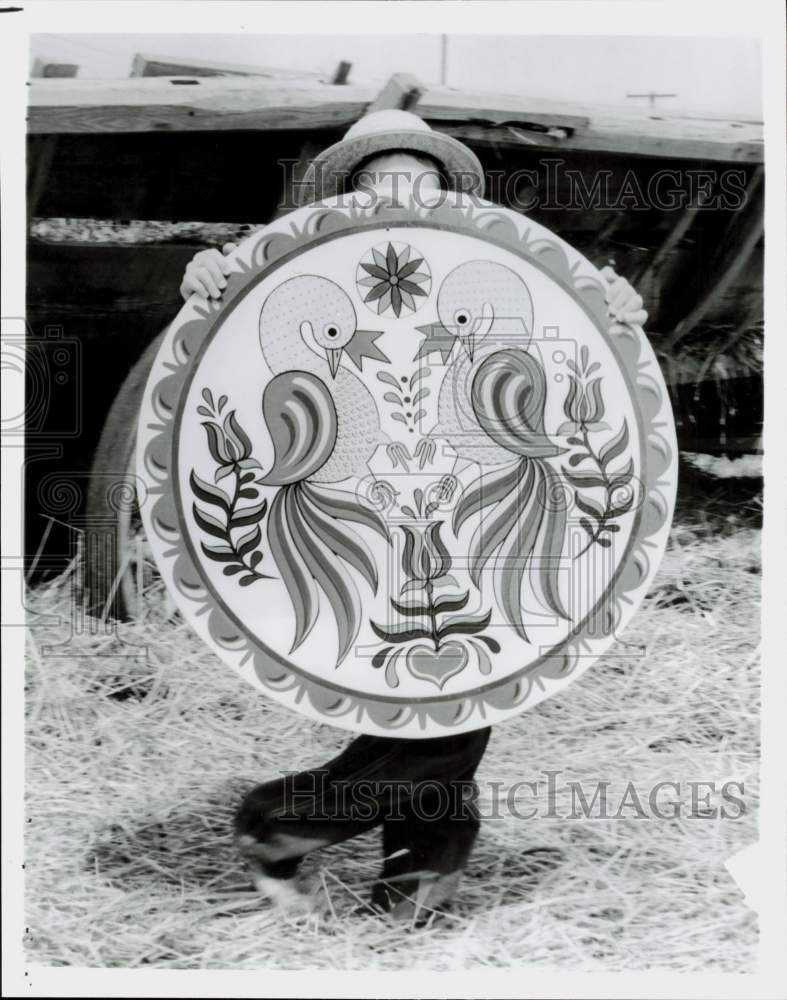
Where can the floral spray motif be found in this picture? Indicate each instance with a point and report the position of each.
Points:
(426, 563)
(585, 411)
(230, 448)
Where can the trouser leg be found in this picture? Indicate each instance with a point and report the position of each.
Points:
(427, 845)
(280, 822)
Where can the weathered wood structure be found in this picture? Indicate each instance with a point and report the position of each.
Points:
(128, 178)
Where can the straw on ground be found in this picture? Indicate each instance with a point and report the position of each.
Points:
(141, 743)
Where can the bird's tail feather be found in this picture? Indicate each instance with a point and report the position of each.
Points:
(524, 520)
(294, 571)
(554, 520)
(330, 574)
(310, 546)
(487, 490)
(341, 540)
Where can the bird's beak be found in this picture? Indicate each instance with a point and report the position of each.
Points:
(433, 330)
(333, 356)
(437, 339)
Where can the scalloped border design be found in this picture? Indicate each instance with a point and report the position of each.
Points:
(491, 702)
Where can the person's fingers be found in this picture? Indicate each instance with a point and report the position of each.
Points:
(204, 275)
(613, 282)
(215, 265)
(621, 296)
(637, 318)
(609, 272)
(191, 285)
(613, 291)
(631, 305)
(229, 247)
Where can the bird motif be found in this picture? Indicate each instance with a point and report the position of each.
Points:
(491, 409)
(324, 426)
(308, 324)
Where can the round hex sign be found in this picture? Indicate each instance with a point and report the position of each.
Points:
(407, 477)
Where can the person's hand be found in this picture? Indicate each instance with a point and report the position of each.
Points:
(623, 303)
(206, 273)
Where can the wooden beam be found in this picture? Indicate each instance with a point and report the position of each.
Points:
(217, 104)
(448, 107)
(402, 91)
(98, 233)
(341, 73)
(145, 64)
(212, 104)
(53, 70)
(714, 143)
(522, 121)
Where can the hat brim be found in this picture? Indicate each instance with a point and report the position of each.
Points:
(331, 169)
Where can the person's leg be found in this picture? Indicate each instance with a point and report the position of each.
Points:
(427, 844)
(281, 821)
(278, 823)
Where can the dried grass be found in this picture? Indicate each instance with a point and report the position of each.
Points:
(135, 763)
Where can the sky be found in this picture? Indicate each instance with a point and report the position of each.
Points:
(715, 76)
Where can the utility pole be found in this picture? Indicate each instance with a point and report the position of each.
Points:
(443, 59)
(652, 96)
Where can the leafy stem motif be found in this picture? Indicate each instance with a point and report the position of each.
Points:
(230, 448)
(431, 609)
(585, 410)
(426, 563)
(406, 395)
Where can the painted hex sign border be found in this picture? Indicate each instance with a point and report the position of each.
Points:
(207, 522)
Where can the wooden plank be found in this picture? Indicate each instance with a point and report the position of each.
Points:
(403, 91)
(53, 70)
(145, 64)
(341, 73)
(525, 121)
(444, 105)
(212, 104)
(714, 143)
(99, 233)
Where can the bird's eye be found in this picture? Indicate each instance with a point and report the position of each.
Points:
(331, 331)
(461, 318)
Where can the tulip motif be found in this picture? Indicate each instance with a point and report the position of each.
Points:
(584, 404)
(232, 525)
(590, 468)
(426, 564)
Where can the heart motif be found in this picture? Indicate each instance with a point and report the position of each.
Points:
(436, 665)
